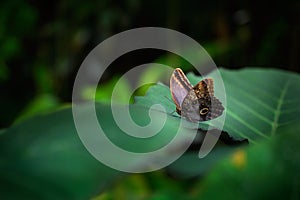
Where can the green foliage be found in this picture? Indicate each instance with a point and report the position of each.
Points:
(268, 170)
(104, 92)
(41, 104)
(42, 157)
(258, 101)
(43, 44)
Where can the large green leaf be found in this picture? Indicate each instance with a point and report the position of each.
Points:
(259, 101)
(43, 157)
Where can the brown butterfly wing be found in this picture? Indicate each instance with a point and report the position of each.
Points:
(179, 86)
(204, 88)
(202, 97)
(216, 109)
(190, 107)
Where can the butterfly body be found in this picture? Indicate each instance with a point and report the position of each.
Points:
(196, 103)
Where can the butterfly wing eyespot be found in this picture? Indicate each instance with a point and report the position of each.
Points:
(203, 111)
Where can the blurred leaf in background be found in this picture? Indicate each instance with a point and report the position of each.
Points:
(269, 170)
(104, 92)
(43, 158)
(43, 44)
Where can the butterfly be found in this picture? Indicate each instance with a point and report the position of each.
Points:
(196, 103)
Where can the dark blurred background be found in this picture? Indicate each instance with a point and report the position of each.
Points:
(43, 44)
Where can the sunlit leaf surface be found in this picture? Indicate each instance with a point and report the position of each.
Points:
(258, 101)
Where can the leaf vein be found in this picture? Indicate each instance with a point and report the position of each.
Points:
(256, 100)
(257, 114)
(278, 108)
(255, 130)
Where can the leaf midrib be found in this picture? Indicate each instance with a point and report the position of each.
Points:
(278, 108)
